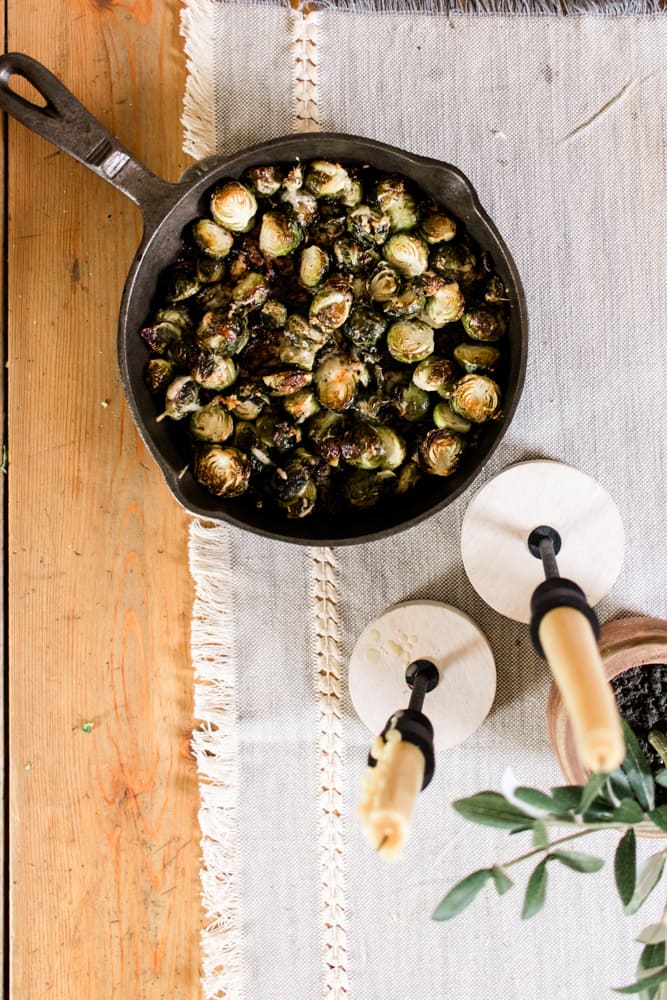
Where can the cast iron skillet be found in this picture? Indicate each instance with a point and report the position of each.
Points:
(168, 208)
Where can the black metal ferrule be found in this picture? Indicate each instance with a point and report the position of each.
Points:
(414, 728)
(557, 592)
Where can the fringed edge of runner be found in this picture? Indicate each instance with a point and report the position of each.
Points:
(198, 118)
(215, 748)
(519, 8)
(328, 679)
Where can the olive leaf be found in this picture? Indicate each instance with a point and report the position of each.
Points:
(648, 878)
(566, 797)
(462, 894)
(501, 879)
(536, 890)
(660, 777)
(653, 934)
(628, 811)
(579, 861)
(492, 809)
(619, 784)
(637, 769)
(625, 866)
(654, 979)
(593, 788)
(659, 817)
(540, 834)
(535, 799)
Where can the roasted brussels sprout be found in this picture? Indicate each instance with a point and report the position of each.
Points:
(223, 471)
(485, 323)
(439, 452)
(407, 253)
(214, 371)
(212, 422)
(278, 235)
(234, 206)
(435, 374)
(477, 357)
(211, 238)
(410, 340)
(314, 266)
(438, 228)
(444, 306)
(444, 416)
(337, 379)
(396, 201)
(475, 397)
(327, 180)
(181, 398)
(330, 307)
(304, 332)
(365, 327)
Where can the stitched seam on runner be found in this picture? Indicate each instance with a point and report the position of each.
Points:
(305, 34)
(215, 746)
(328, 678)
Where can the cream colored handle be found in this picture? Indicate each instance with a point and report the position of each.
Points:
(390, 795)
(572, 653)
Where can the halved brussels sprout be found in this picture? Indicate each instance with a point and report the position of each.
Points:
(407, 253)
(250, 293)
(337, 379)
(446, 305)
(486, 323)
(234, 206)
(410, 340)
(384, 283)
(455, 262)
(477, 357)
(181, 282)
(364, 327)
(300, 343)
(326, 431)
(396, 201)
(393, 446)
(435, 374)
(350, 255)
(181, 398)
(176, 315)
(313, 266)
(214, 296)
(439, 452)
(476, 397)
(212, 422)
(363, 489)
(159, 336)
(214, 371)
(327, 180)
(224, 472)
(264, 180)
(438, 228)
(273, 314)
(247, 401)
(284, 383)
(279, 235)
(294, 488)
(159, 373)
(301, 405)
(212, 239)
(408, 476)
(210, 270)
(300, 206)
(330, 307)
(444, 416)
(408, 302)
(275, 433)
(495, 291)
(411, 402)
(363, 446)
(222, 334)
(353, 195)
(368, 225)
(293, 179)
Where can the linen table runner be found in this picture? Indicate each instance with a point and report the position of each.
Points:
(560, 124)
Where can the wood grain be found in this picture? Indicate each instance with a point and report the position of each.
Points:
(104, 851)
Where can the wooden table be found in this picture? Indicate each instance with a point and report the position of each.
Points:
(103, 839)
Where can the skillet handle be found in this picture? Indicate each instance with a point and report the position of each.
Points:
(66, 123)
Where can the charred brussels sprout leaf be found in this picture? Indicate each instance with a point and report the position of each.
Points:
(250, 293)
(439, 452)
(384, 283)
(300, 206)
(181, 398)
(327, 180)
(222, 334)
(159, 373)
(455, 262)
(285, 383)
(365, 327)
(301, 405)
(368, 225)
(223, 471)
(396, 201)
(330, 308)
(264, 180)
(234, 207)
(181, 283)
(476, 398)
(410, 340)
(485, 323)
(295, 489)
(214, 371)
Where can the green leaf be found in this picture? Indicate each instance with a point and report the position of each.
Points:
(649, 876)
(567, 797)
(625, 866)
(638, 771)
(660, 777)
(540, 834)
(535, 799)
(492, 809)
(462, 894)
(628, 811)
(659, 817)
(501, 879)
(593, 788)
(653, 934)
(654, 979)
(620, 785)
(579, 861)
(536, 891)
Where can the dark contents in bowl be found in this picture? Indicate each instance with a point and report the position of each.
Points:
(641, 695)
(329, 338)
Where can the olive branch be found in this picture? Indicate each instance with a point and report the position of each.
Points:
(624, 801)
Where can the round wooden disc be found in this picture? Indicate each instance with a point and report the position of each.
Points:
(432, 631)
(499, 520)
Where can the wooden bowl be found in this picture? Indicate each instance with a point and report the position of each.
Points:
(624, 644)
